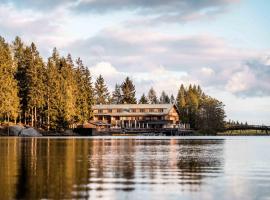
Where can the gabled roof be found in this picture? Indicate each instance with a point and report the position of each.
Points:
(126, 109)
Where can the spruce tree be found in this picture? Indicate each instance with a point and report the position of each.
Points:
(172, 99)
(128, 91)
(164, 98)
(35, 73)
(181, 104)
(143, 99)
(20, 60)
(152, 96)
(53, 91)
(9, 100)
(84, 94)
(116, 95)
(102, 94)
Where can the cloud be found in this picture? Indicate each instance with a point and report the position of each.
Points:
(45, 29)
(207, 71)
(152, 11)
(160, 79)
(39, 5)
(252, 79)
(146, 53)
(155, 11)
(144, 50)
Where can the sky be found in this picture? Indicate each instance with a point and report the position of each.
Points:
(223, 45)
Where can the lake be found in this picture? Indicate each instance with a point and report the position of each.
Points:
(135, 168)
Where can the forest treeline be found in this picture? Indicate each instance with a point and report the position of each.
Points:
(59, 92)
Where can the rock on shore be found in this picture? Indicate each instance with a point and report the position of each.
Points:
(22, 131)
(15, 130)
(30, 132)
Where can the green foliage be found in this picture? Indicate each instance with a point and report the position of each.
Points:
(164, 98)
(202, 112)
(116, 95)
(172, 99)
(102, 95)
(128, 91)
(152, 96)
(9, 100)
(54, 95)
(85, 93)
(143, 99)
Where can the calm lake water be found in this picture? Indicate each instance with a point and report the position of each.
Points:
(135, 168)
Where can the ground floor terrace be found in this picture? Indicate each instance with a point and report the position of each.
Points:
(136, 122)
(136, 116)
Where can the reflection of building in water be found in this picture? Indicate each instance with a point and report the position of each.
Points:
(199, 159)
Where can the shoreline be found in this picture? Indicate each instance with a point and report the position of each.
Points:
(22, 131)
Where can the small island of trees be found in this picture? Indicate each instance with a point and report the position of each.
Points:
(59, 93)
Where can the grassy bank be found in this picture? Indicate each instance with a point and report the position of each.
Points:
(244, 132)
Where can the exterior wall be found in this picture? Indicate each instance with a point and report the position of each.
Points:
(172, 117)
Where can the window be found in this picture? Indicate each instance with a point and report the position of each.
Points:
(100, 111)
(141, 110)
(110, 111)
(151, 110)
(119, 110)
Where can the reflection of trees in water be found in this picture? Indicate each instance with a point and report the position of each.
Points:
(35, 168)
(8, 167)
(48, 168)
(112, 162)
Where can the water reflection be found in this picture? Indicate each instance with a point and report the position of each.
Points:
(35, 168)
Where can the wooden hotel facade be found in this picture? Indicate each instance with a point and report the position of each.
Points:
(136, 116)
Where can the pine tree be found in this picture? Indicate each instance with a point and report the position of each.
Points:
(116, 95)
(128, 91)
(152, 96)
(35, 73)
(85, 93)
(164, 98)
(210, 116)
(143, 99)
(9, 100)
(20, 59)
(172, 99)
(102, 94)
(53, 91)
(181, 104)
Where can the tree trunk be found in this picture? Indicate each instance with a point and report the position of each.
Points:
(35, 117)
(24, 118)
(32, 117)
(48, 117)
